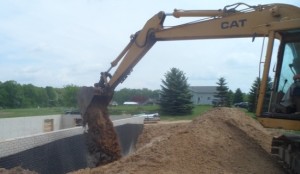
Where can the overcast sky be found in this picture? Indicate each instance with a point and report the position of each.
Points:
(62, 42)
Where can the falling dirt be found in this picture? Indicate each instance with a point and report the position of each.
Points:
(101, 138)
(224, 140)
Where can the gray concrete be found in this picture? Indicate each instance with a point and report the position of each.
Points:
(20, 144)
(11, 128)
(63, 150)
(25, 126)
(14, 145)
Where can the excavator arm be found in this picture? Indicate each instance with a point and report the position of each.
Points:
(255, 21)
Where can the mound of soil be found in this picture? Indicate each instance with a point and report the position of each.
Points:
(224, 140)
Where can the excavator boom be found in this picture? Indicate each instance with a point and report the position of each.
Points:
(255, 21)
(273, 21)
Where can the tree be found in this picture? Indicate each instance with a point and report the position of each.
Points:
(137, 95)
(52, 96)
(175, 95)
(222, 93)
(30, 96)
(70, 95)
(3, 96)
(42, 97)
(230, 95)
(253, 94)
(12, 93)
(238, 96)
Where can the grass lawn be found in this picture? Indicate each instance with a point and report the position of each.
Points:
(125, 109)
(132, 109)
(117, 110)
(197, 111)
(7, 113)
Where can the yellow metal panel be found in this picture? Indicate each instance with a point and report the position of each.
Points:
(280, 123)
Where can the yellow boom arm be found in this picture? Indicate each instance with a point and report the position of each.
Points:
(255, 21)
(275, 21)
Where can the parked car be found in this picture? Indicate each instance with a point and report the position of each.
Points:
(242, 105)
(72, 112)
(149, 117)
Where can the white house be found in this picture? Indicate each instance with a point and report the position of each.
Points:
(130, 103)
(203, 95)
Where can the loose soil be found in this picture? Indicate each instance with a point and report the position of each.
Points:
(224, 140)
(101, 138)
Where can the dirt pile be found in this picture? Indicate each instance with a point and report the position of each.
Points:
(224, 140)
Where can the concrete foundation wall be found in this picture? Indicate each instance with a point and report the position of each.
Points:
(25, 126)
(64, 150)
(20, 144)
(68, 120)
(11, 128)
(59, 156)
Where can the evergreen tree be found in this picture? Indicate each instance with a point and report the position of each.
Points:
(230, 98)
(238, 96)
(253, 95)
(175, 95)
(222, 93)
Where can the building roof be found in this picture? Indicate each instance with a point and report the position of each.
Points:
(130, 103)
(203, 89)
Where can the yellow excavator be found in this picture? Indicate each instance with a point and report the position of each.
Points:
(273, 21)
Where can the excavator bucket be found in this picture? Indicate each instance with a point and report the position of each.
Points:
(85, 97)
(101, 139)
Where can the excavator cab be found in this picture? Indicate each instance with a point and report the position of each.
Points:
(285, 95)
(288, 83)
(284, 101)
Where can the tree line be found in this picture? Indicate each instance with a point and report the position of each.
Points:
(173, 97)
(142, 96)
(15, 95)
(228, 98)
